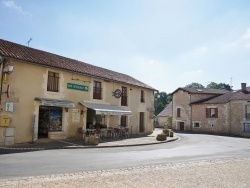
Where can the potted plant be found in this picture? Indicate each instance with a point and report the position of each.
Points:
(91, 140)
(161, 137)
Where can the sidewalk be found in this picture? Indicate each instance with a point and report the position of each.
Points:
(133, 140)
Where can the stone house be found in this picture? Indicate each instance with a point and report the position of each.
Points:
(47, 95)
(226, 114)
(182, 99)
(212, 110)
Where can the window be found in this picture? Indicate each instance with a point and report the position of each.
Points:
(53, 82)
(248, 112)
(124, 97)
(178, 112)
(124, 121)
(211, 112)
(97, 90)
(142, 96)
(196, 124)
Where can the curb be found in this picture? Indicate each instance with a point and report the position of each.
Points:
(88, 147)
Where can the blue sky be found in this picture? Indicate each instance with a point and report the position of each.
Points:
(164, 43)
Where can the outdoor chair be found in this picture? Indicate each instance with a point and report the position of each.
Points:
(116, 133)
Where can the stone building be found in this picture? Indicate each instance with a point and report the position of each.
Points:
(227, 113)
(47, 95)
(182, 108)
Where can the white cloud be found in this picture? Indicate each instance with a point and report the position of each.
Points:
(11, 4)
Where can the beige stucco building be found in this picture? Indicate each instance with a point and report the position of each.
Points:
(47, 95)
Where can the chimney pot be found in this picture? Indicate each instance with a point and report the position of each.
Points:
(243, 86)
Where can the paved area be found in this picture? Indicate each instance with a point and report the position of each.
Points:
(220, 173)
(133, 140)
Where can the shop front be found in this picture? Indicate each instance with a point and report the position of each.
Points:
(50, 116)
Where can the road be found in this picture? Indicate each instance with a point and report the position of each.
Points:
(190, 147)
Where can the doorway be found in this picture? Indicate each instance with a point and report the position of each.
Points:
(50, 119)
(182, 126)
(141, 122)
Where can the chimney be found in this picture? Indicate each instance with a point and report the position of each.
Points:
(244, 88)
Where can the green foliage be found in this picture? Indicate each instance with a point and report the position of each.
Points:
(161, 100)
(219, 86)
(195, 85)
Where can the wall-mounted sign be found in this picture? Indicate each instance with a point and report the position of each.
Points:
(77, 87)
(76, 115)
(9, 107)
(117, 93)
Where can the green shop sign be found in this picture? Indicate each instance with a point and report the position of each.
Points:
(77, 87)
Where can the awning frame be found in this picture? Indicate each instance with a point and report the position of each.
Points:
(106, 109)
(55, 102)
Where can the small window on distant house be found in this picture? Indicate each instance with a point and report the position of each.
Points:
(53, 82)
(178, 112)
(196, 124)
(142, 96)
(248, 112)
(211, 112)
(124, 97)
(97, 90)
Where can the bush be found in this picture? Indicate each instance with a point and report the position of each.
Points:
(171, 133)
(161, 137)
(166, 131)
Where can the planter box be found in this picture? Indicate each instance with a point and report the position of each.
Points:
(161, 137)
(91, 140)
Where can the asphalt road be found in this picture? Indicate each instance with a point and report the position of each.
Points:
(191, 147)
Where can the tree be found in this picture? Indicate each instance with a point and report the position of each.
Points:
(195, 85)
(161, 100)
(219, 86)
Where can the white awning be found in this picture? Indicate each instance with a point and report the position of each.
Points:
(107, 109)
(55, 102)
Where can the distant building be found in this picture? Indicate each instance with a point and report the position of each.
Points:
(164, 115)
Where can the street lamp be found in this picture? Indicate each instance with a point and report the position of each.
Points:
(8, 69)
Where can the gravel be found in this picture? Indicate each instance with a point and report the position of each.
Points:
(219, 173)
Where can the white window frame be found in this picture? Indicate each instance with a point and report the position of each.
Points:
(194, 122)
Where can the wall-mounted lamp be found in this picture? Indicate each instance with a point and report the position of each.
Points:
(66, 109)
(8, 69)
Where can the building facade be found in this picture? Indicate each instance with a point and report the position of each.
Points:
(182, 108)
(227, 113)
(47, 95)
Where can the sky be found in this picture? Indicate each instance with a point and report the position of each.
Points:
(166, 44)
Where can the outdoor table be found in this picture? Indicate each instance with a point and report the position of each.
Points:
(90, 131)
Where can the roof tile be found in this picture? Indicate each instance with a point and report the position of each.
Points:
(31, 55)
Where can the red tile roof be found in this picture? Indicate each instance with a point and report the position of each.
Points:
(31, 55)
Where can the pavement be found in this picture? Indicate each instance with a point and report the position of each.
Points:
(78, 143)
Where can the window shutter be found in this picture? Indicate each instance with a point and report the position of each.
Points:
(207, 112)
(178, 112)
(216, 112)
